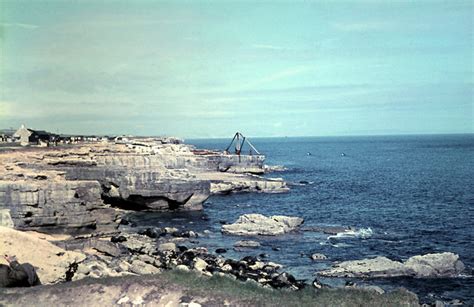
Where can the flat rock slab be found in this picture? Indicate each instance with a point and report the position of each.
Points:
(426, 266)
(258, 224)
(51, 262)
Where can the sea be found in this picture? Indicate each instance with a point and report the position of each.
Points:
(405, 195)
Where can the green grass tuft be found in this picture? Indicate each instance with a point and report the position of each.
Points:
(255, 295)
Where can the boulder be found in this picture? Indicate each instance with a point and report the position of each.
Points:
(51, 262)
(258, 224)
(376, 267)
(427, 266)
(317, 256)
(170, 246)
(106, 247)
(200, 265)
(435, 265)
(143, 268)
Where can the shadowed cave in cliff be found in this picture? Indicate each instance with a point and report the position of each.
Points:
(141, 203)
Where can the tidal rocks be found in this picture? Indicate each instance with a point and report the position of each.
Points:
(257, 224)
(318, 256)
(50, 261)
(427, 266)
(233, 183)
(247, 243)
(435, 265)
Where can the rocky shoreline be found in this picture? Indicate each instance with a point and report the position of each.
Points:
(84, 192)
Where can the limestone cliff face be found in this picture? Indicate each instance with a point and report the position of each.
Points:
(78, 188)
(57, 205)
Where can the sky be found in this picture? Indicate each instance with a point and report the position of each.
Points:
(211, 68)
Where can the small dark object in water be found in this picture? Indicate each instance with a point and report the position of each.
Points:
(308, 153)
(276, 248)
(304, 182)
(221, 250)
(205, 218)
(223, 222)
(263, 255)
(124, 222)
(343, 154)
(118, 239)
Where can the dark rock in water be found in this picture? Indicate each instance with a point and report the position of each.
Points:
(223, 222)
(276, 248)
(118, 239)
(221, 250)
(152, 232)
(263, 255)
(304, 182)
(124, 222)
(184, 234)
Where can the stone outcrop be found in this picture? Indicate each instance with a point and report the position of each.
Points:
(426, 266)
(78, 188)
(51, 262)
(55, 205)
(258, 224)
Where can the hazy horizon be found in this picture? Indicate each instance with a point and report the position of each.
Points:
(207, 69)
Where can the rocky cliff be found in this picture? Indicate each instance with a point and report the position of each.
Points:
(79, 188)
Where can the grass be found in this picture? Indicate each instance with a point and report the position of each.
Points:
(250, 293)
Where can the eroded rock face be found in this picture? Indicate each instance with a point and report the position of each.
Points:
(258, 224)
(426, 266)
(52, 205)
(77, 188)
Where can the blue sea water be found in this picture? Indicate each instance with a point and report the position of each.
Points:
(411, 195)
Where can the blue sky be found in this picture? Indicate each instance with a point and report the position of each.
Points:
(210, 68)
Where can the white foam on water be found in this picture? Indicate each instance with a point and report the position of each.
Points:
(362, 233)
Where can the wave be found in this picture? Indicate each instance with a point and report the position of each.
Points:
(363, 233)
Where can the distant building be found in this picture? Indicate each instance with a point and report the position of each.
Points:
(34, 137)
